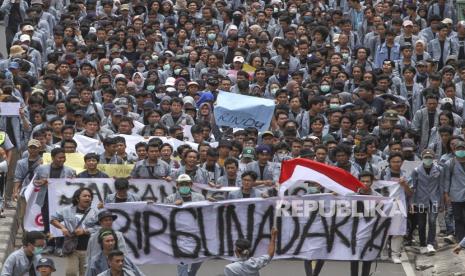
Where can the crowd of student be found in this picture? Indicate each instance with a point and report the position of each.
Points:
(356, 84)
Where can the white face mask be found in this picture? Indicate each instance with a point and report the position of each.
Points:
(273, 91)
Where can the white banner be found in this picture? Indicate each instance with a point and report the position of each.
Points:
(308, 229)
(86, 145)
(33, 214)
(60, 191)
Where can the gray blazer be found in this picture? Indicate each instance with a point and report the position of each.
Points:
(67, 216)
(420, 124)
(434, 49)
(18, 264)
(454, 180)
(6, 8)
(427, 188)
(183, 120)
(269, 173)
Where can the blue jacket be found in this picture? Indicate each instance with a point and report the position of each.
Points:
(382, 54)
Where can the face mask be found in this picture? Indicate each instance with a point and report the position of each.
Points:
(293, 11)
(159, 95)
(325, 88)
(186, 76)
(154, 57)
(184, 190)
(177, 71)
(211, 36)
(273, 91)
(313, 190)
(334, 105)
(106, 67)
(166, 67)
(460, 153)
(275, 10)
(429, 161)
(38, 250)
(345, 55)
(307, 18)
(140, 69)
(150, 87)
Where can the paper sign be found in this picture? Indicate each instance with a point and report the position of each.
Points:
(240, 111)
(9, 109)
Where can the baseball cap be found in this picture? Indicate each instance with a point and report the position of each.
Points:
(263, 149)
(27, 28)
(238, 59)
(446, 21)
(106, 213)
(391, 115)
(407, 23)
(248, 153)
(188, 100)
(170, 81)
(109, 106)
(117, 112)
(283, 65)
(149, 105)
(46, 262)
(121, 102)
(267, 133)
(460, 144)
(24, 38)
(408, 144)
(183, 178)
(193, 83)
(428, 153)
(13, 65)
(33, 142)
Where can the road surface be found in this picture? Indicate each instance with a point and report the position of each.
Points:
(276, 268)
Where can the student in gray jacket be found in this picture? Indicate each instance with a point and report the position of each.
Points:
(185, 194)
(22, 260)
(247, 190)
(122, 193)
(427, 190)
(105, 220)
(454, 188)
(250, 266)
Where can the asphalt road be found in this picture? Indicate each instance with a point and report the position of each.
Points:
(276, 268)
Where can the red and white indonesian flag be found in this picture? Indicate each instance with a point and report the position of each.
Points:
(297, 170)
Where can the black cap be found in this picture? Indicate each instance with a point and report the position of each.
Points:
(46, 262)
(105, 214)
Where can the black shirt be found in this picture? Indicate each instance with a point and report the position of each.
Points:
(431, 119)
(83, 240)
(55, 172)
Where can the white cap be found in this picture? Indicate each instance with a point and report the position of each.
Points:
(407, 23)
(184, 178)
(24, 38)
(447, 21)
(238, 59)
(170, 81)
